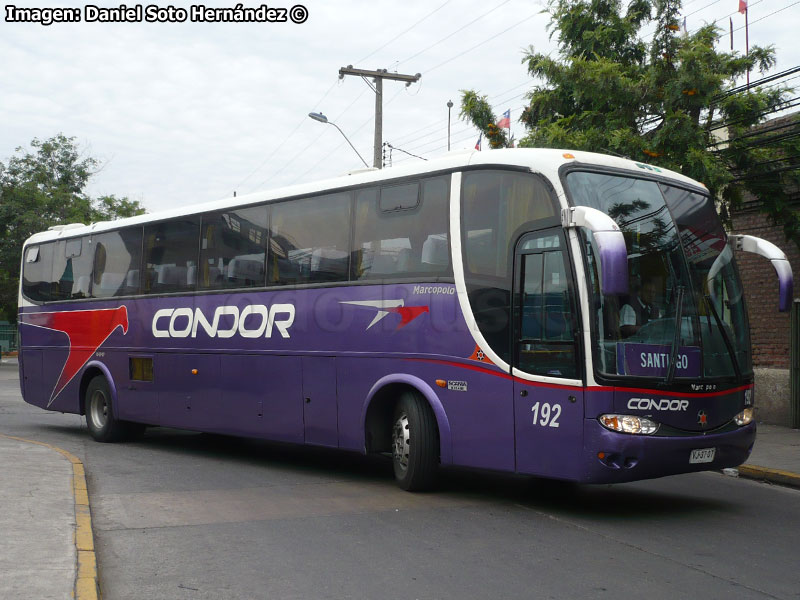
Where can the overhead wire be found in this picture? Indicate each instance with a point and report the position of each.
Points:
(448, 36)
(769, 15)
(287, 138)
(410, 143)
(441, 122)
(473, 47)
(479, 44)
(280, 145)
(355, 131)
(314, 141)
(405, 31)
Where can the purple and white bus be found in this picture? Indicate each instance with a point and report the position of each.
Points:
(566, 315)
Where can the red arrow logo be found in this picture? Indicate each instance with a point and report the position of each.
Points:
(384, 307)
(86, 331)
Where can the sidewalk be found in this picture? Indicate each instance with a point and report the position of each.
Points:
(775, 457)
(38, 555)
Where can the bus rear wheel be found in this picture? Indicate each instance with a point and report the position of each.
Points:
(100, 420)
(415, 446)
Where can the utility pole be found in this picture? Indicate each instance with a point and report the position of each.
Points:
(378, 76)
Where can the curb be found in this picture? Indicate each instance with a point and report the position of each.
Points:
(87, 586)
(786, 478)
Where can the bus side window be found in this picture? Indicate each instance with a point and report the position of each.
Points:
(547, 342)
(72, 268)
(37, 272)
(401, 231)
(232, 248)
(310, 240)
(171, 254)
(117, 258)
(79, 256)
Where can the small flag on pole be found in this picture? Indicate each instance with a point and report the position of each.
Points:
(478, 143)
(505, 122)
(742, 6)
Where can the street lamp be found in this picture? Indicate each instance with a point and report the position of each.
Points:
(323, 119)
(449, 106)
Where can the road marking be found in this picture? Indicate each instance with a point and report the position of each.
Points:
(86, 580)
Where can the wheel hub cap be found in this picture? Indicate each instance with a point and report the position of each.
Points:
(401, 441)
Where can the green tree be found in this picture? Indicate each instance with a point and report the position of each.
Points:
(659, 98)
(42, 188)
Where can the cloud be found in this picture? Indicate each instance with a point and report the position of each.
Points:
(185, 113)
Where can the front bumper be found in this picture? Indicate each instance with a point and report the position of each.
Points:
(631, 457)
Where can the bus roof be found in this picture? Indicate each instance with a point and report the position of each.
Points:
(546, 161)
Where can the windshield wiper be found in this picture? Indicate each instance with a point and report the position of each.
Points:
(676, 338)
(725, 337)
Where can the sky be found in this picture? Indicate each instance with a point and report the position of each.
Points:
(183, 113)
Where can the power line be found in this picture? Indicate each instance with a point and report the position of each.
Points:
(436, 132)
(447, 37)
(388, 145)
(494, 37)
(403, 138)
(770, 14)
(314, 141)
(355, 131)
(278, 147)
(405, 31)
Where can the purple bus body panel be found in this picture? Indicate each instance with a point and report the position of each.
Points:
(216, 372)
(319, 401)
(613, 261)
(785, 284)
(262, 397)
(32, 380)
(549, 429)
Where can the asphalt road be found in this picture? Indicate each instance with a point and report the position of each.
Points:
(186, 515)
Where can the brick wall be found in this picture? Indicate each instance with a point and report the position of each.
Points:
(769, 329)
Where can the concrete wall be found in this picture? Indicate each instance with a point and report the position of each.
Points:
(772, 393)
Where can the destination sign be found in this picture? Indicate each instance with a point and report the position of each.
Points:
(652, 360)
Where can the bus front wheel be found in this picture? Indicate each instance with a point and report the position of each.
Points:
(100, 420)
(415, 448)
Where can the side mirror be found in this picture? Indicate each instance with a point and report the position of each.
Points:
(756, 245)
(611, 249)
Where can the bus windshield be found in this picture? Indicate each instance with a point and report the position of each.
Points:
(684, 315)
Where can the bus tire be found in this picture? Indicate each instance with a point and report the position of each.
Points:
(100, 420)
(415, 446)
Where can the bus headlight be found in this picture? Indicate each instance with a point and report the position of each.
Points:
(745, 417)
(629, 424)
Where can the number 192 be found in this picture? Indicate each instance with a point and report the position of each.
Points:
(549, 414)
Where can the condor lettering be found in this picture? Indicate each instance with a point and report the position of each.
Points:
(661, 405)
(252, 321)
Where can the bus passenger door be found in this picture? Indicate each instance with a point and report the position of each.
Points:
(548, 395)
(319, 401)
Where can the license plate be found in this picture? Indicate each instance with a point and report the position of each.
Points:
(703, 455)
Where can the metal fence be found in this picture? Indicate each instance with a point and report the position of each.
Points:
(8, 337)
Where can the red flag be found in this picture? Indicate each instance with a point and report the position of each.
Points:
(742, 6)
(505, 122)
